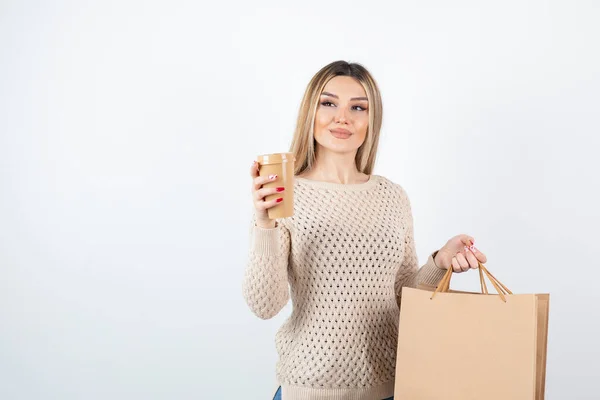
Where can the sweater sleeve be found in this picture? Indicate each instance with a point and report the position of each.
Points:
(265, 285)
(409, 274)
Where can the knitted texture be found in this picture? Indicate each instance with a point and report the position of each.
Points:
(343, 258)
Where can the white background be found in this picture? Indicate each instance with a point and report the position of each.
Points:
(127, 130)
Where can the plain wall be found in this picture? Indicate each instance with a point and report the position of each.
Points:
(127, 131)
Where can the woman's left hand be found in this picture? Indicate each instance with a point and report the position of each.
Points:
(460, 254)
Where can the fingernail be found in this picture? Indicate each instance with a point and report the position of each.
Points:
(280, 189)
(279, 200)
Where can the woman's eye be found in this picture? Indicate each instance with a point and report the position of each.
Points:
(329, 104)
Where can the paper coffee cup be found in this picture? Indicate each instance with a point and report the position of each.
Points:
(281, 164)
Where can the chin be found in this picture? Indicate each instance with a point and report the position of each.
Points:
(341, 148)
(336, 145)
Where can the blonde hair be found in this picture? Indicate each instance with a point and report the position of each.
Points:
(303, 142)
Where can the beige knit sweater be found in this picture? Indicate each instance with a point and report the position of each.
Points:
(342, 258)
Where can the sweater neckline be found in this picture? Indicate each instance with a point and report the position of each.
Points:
(338, 186)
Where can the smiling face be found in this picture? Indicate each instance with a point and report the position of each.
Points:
(342, 117)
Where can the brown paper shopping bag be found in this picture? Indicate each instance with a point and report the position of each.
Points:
(461, 345)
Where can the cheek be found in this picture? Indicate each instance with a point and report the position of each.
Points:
(320, 124)
(323, 117)
(362, 125)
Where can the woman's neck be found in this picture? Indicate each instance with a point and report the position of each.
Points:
(335, 176)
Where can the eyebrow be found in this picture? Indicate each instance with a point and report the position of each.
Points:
(335, 96)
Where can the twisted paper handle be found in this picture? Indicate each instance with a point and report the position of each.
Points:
(502, 290)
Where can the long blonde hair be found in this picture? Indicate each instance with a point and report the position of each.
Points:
(303, 142)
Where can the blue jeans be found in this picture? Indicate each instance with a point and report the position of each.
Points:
(278, 395)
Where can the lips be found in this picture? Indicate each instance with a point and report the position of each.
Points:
(340, 133)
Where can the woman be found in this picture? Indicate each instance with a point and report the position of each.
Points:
(346, 252)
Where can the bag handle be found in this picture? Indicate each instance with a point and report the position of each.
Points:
(502, 290)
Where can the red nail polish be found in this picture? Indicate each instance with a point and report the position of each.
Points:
(280, 189)
(279, 200)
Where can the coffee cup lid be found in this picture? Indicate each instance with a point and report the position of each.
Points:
(275, 158)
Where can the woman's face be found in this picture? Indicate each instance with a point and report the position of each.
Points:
(342, 116)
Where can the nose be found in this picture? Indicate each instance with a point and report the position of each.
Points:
(340, 115)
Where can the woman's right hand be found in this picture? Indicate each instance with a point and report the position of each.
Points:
(259, 193)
